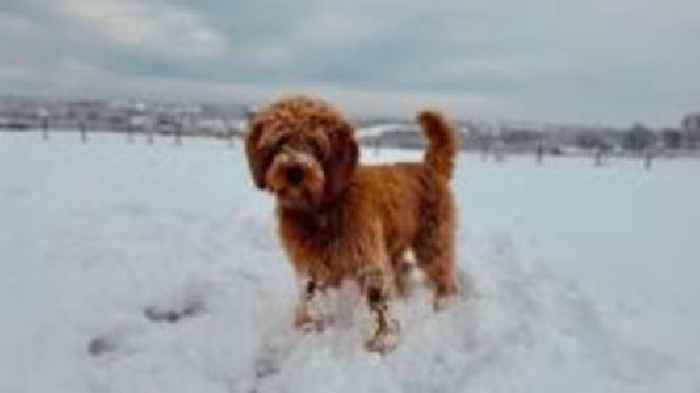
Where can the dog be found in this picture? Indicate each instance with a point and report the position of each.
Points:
(341, 220)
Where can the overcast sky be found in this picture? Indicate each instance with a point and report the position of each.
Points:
(594, 61)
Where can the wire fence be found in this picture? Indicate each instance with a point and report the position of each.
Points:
(499, 154)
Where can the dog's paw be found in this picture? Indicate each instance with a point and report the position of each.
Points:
(307, 324)
(310, 327)
(384, 340)
(442, 303)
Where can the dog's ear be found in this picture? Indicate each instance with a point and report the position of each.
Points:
(343, 160)
(257, 156)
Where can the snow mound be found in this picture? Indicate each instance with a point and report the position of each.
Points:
(134, 268)
(524, 330)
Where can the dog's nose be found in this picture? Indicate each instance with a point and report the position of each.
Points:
(295, 175)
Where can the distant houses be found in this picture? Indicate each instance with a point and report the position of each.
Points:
(396, 135)
(21, 115)
(190, 119)
(14, 124)
(514, 137)
(120, 116)
(473, 136)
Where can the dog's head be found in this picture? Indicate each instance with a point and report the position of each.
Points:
(302, 150)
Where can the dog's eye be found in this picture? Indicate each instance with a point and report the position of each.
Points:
(281, 142)
(318, 148)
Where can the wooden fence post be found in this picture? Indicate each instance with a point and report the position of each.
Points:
(231, 141)
(45, 128)
(129, 134)
(178, 134)
(648, 157)
(83, 132)
(598, 157)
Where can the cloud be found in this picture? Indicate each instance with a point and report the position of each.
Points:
(596, 61)
(147, 27)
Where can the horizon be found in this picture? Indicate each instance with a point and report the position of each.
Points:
(373, 116)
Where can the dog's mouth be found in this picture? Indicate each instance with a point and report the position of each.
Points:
(295, 198)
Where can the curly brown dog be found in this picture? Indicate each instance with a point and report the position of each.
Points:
(339, 220)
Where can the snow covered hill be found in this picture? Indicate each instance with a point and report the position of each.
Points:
(136, 268)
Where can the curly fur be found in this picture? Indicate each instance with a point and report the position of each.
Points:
(340, 220)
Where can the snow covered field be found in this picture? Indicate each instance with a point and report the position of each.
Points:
(587, 279)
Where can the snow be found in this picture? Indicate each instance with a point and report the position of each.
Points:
(378, 130)
(586, 278)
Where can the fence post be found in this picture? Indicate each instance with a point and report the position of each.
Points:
(484, 147)
(648, 157)
(45, 128)
(231, 142)
(83, 132)
(598, 157)
(178, 134)
(129, 134)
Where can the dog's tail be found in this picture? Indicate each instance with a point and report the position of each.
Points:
(442, 142)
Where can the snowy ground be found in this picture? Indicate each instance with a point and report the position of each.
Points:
(587, 279)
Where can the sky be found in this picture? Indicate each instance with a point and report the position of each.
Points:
(593, 62)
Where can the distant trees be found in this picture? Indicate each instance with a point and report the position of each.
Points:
(587, 140)
(672, 139)
(590, 140)
(638, 138)
(691, 129)
(520, 136)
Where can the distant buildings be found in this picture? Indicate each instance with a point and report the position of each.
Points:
(512, 137)
(132, 116)
(190, 119)
(691, 128)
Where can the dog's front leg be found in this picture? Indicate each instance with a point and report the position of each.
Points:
(386, 329)
(306, 317)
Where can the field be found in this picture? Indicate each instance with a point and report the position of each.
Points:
(155, 268)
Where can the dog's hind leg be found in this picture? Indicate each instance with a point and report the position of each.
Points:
(435, 251)
(438, 265)
(403, 264)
